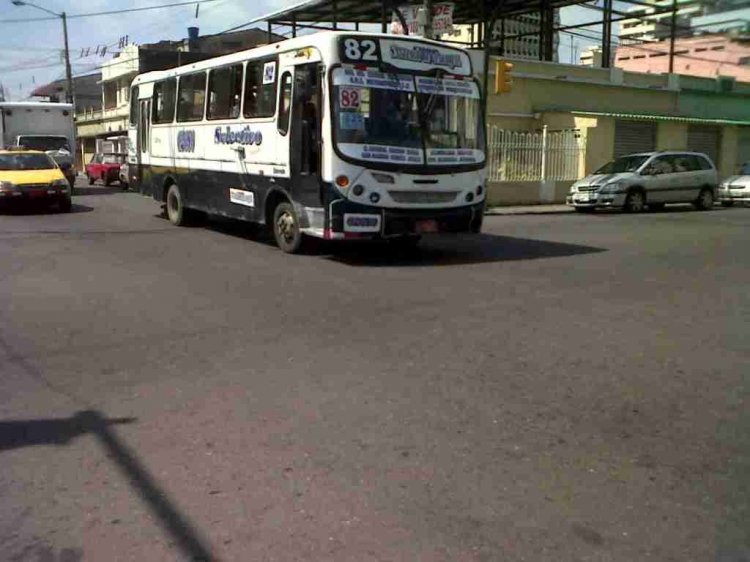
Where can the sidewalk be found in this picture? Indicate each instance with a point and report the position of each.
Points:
(529, 210)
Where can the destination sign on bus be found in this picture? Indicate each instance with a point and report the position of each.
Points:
(409, 55)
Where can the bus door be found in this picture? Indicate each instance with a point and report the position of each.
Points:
(304, 134)
(143, 142)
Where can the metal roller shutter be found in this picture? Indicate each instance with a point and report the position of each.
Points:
(705, 139)
(743, 147)
(634, 136)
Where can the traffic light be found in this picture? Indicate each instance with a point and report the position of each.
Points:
(503, 78)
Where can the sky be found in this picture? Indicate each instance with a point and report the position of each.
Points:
(31, 52)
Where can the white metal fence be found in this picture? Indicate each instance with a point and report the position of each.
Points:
(533, 156)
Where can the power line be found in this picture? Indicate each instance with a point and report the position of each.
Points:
(112, 12)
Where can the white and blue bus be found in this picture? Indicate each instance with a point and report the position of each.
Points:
(333, 135)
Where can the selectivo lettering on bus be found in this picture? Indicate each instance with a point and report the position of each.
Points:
(334, 135)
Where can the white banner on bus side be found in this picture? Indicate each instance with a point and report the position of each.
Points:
(442, 18)
(373, 79)
(381, 153)
(447, 87)
(452, 156)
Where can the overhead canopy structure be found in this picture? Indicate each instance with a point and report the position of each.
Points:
(480, 14)
(371, 11)
(486, 21)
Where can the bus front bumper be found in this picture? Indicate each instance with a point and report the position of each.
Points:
(354, 221)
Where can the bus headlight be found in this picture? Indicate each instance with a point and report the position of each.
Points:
(358, 190)
(61, 184)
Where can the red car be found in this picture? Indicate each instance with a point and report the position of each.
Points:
(105, 167)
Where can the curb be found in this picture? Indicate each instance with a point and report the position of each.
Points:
(510, 211)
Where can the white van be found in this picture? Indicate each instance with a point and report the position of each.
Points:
(650, 179)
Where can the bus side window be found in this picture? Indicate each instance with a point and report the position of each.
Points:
(224, 91)
(191, 97)
(134, 107)
(285, 103)
(260, 89)
(165, 93)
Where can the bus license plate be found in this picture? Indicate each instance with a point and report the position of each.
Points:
(426, 226)
(37, 193)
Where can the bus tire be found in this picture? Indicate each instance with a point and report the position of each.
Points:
(177, 214)
(286, 230)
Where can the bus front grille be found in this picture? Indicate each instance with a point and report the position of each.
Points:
(423, 196)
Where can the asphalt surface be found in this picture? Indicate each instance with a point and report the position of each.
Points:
(559, 388)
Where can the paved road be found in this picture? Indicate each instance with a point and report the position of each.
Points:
(559, 388)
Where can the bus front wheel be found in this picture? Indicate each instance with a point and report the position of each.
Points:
(286, 228)
(176, 212)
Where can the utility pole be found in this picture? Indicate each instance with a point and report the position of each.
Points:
(428, 20)
(672, 33)
(68, 72)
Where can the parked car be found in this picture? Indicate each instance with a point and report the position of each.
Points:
(650, 179)
(104, 167)
(32, 176)
(736, 189)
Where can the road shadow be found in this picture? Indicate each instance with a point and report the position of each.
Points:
(455, 250)
(24, 433)
(98, 190)
(28, 210)
(432, 251)
(669, 209)
(250, 231)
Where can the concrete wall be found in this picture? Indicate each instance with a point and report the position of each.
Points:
(526, 192)
(727, 163)
(600, 143)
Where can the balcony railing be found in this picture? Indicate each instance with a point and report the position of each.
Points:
(88, 115)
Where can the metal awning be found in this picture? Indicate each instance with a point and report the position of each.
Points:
(670, 118)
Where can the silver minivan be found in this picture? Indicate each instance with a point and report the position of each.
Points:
(650, 179)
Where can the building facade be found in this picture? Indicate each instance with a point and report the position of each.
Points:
(709, 56)
(584, 117)
(654, 22)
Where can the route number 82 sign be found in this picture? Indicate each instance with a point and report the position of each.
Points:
(349, 98)
(360, 50)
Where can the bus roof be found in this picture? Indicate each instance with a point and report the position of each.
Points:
(321, 38)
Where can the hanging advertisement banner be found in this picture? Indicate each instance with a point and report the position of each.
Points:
(442, 19)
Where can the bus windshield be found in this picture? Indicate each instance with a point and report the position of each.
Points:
(407, 119)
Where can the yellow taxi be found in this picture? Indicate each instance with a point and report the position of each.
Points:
(31, 176)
